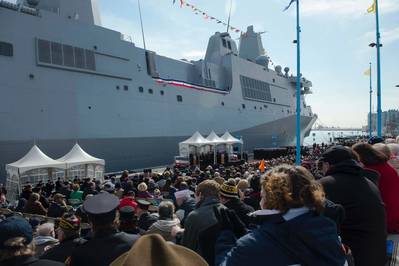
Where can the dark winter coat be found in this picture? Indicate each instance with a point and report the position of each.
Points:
(308, 239)
(364, 227)
(242, 210)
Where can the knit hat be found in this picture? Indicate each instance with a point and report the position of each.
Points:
(69, 222)
(336, 154)
(15, 226)
(154, 250)
(142, 187)
(228, 191)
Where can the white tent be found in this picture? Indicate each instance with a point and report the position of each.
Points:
(214, 139)
(34, 167)
(81, 164)
(196, 141)
(229, 139)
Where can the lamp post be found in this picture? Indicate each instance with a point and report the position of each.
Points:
(298, 88)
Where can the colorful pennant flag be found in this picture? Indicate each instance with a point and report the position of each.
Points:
(372, 8)
(289, 5)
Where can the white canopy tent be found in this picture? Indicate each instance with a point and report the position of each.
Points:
(196, 141)
(80, 164)
(34, 167)
(214, 140)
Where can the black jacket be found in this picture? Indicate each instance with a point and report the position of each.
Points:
(242, 210)
(103, 249)
(56, 210)
(146, 220)
(29, 261)
(62, 251)
(364, 227)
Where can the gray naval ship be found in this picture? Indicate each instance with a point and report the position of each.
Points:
(65, 78)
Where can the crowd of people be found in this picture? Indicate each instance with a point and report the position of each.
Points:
(341, 207)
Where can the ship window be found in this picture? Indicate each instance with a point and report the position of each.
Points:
(243, 106)
(222, 103)
(150, 91)
(255, 107)
(69, 59)
(229, 44)
(274, 81)
(162, 92)
(224, 43)
(179, 98)
(126, 87)
(117, 87)
(141, 89)
(90, 60)
(274, 100)
(79, 57)
(6, 49)
(44, 51)
(265, 106)
(56, 53)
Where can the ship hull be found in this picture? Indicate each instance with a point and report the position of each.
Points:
(135, 153)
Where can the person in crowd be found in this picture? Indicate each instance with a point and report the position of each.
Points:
(21, 205)
(158, 198)
(146, 219)
(34, 206)
(229, 196)
(48, 188)
(364, 228)
(90, 190)
(76, 196)
(66, 189)
(3, 198)
(128, 200)
(207, 197)
(127, 220)
(45, 238)
(388, 182)
(58, 207)
(293, 231)
(26, 192)
(101, 210)
(185, 204)
(68, 235)
(394, 161)
(167, 222)
(152, 250)
(253, 198)
(143, 191)
(43, 199)
(17, 246)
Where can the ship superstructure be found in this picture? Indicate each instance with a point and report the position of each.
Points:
(65, 78)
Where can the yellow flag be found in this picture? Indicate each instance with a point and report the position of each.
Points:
(367, 72)
(372, 8)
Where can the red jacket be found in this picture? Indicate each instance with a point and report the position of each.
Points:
(127, 201)
(389, 188)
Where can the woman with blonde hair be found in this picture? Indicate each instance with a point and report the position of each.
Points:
(292, 230)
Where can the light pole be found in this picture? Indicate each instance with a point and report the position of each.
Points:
(298, 88)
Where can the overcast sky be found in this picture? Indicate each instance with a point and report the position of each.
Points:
(335, 38)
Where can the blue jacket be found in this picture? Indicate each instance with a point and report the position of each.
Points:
(307, 239)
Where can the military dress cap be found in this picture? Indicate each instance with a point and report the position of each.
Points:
(100, 204)
(143, 204)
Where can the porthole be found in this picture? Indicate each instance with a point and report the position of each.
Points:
(118, 88)
(255, 107)
(89, 107)
(243, 106)
(141, 89)
(179, 98)
(274, 80)
(222, 103)
(162, 92)
(274, 100)
(150, 91)
(126, 87)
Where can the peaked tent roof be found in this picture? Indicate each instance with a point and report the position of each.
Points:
(214, 139)
(196, 140)
(35, 159)
(228, 138)
(77, 156)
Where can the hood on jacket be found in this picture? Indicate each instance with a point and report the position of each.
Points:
(166, 225)
(350, 166)
(43, 240)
